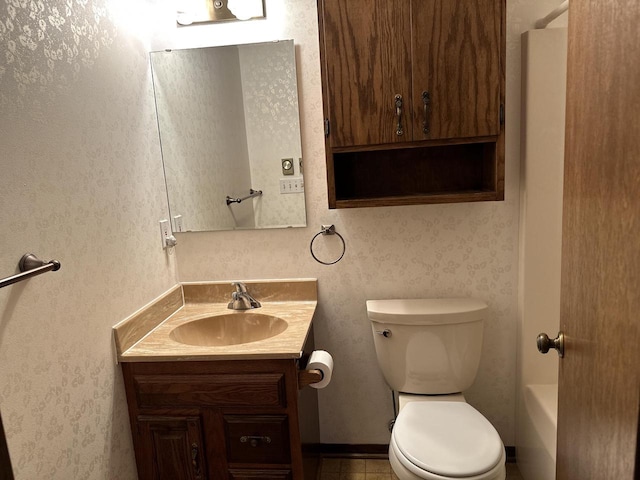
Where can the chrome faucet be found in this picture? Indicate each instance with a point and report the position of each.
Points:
(241, 299)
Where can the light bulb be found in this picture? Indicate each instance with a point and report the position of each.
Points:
(245, 9)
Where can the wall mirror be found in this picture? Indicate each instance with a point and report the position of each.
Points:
(230, 135)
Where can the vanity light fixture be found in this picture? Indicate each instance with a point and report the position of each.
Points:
(207, 11)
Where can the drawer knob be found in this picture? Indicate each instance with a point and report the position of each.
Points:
(253, 440)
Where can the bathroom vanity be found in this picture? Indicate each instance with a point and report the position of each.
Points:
(220, 409)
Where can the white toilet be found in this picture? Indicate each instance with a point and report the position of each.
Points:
(429, 351)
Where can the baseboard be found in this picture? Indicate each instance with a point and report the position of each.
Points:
(368, 450)
(347, 450)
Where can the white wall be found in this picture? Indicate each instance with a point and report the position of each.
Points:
(81, 182)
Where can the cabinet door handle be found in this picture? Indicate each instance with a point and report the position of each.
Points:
(254, 439)
(398, 105)
(426, 102)
(195, 460)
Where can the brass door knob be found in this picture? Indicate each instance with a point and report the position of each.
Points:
(545, 343)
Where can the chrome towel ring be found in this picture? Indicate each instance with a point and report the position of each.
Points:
(328, 230)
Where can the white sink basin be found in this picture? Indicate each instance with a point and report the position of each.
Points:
(230, 329)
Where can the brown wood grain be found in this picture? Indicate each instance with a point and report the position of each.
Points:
(456, 57)
(367, 48)
(453, 49)
(309, 377)
(271, 438)
(173, 443)
(255, 474)
(264, 389)
(172, 404)
(599, 392)
(421, 175)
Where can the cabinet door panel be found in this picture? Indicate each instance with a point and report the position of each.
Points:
(456, 50)
(175, 450)
(367, 63)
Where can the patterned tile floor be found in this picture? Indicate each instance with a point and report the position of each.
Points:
(374, 469)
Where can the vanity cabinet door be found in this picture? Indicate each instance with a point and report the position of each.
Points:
(174, 448)
(366, 62)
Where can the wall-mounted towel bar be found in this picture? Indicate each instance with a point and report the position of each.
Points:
(252, 193)
(30, 266)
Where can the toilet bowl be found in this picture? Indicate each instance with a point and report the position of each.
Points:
(429, 351)
(445, 439)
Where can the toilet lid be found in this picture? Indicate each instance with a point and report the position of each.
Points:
(451, 439)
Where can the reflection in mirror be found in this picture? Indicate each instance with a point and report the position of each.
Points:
(229, 124)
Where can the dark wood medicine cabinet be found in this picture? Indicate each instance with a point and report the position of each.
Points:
(413, 94)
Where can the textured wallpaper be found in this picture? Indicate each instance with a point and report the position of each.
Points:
(270, 89)
(393, 252)
(204, 140)
(81, 182)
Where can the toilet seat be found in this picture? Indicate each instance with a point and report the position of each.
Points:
(446, 440)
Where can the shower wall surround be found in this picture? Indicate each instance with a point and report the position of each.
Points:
(82, 182)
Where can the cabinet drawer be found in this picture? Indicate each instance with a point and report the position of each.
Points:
(257, 438)
(260, 475)
(247, 390)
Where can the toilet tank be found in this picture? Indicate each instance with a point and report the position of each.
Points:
(428, 346)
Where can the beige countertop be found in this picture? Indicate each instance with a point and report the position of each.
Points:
(146, 335)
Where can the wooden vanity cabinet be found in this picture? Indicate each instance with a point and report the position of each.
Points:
(235, 420)
(413, 95)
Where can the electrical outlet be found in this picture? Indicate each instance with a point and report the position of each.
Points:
(291, 185)
(178, 226)
(165, 232)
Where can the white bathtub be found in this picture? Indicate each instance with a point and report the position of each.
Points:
(536, 454)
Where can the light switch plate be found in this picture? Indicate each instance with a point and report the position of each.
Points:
(291, 185)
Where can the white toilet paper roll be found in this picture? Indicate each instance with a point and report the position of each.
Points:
(323, 361)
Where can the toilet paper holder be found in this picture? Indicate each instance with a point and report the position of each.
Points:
(309, 377)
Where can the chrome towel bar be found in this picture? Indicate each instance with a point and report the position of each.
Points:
(30, 266)
(252, 193)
